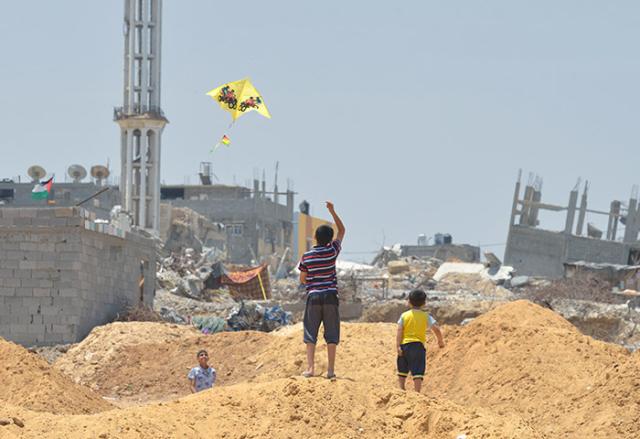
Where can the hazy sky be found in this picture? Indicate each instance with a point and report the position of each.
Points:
(413, 116)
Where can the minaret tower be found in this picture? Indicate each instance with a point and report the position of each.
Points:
(141, 118)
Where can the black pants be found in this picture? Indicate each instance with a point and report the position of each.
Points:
(413, 359)
(322, 308)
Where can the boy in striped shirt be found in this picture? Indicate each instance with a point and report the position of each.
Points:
(318, 275)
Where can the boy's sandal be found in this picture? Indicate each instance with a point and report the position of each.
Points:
(331, 376)
(307, 374)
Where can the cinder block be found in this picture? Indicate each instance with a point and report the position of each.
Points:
(74, 222)
(52, 312)
(26, 212)
(55, 338)
(58, 222)
(68, 292)
(11, 282)
(64, 212)
(22, 222)
(61, 328)
(19, 328)
(6, 263)
(24, 292)
(42, 292)
(50, 275)
(22, 274)
(4, 291)
(30, 283)
(14, 255)
(45, 265)
(28, 246)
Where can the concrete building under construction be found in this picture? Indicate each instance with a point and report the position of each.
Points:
(535, 251)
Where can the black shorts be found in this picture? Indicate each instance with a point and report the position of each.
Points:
(322, 308)
(413, 359)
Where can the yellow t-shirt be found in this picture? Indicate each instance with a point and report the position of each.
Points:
(415, 323)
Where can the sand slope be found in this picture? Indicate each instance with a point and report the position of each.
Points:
(519, 371)
(28, 381)
(285, 408)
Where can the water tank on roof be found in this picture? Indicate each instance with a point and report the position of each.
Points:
(447, 238)
(438, 239)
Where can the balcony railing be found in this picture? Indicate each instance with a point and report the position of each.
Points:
(137, 110)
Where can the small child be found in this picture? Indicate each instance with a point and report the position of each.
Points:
(202, 377)
(411, 338)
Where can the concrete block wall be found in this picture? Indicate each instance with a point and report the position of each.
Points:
(58, 279)
(538, 252)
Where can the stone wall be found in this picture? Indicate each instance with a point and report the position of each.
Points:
(61, 274)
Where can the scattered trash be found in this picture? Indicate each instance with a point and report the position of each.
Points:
(209, 324)
(252, 316)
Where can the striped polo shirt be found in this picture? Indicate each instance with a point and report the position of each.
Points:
(320, 265)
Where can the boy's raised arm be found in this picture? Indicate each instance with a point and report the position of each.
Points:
(337, 220)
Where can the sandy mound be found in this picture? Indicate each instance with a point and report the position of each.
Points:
(143, 361)
(611, 408)
(284, 408)
(519, 358)
(27, 380)
(517, 371)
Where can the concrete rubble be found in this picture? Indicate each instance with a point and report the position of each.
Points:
(457, 293)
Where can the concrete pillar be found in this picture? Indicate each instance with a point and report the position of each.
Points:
(256, 189)
(129, 172)
(144, 83)
(156, 8)
(631, 227)
(290, 201)
(526, 208)
(130, 50)
(533, 217)
(156, 178)
(583, 211)
(144, 147)
(571, 212)
(514, 206)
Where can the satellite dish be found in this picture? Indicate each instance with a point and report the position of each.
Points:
(77, 172)
(99, 172)
(36, 173)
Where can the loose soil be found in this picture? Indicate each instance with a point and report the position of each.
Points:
(519, 371)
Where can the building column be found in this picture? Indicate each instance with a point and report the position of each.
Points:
(571, 212)
(128, 196)
(154, 179)
(630, 228)
(142, 199)
(131, 40)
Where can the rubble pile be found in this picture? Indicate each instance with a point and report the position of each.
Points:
(185, 273)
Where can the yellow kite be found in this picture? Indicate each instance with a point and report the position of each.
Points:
(238, 98)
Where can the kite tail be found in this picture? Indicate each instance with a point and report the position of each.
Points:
(217, 145)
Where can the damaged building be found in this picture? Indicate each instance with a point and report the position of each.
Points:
(257, 225)
(533, 250)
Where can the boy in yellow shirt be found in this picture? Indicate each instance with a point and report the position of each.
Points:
(411, 338)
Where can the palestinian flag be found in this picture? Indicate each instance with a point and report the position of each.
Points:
(42, 190)
(225, 140)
